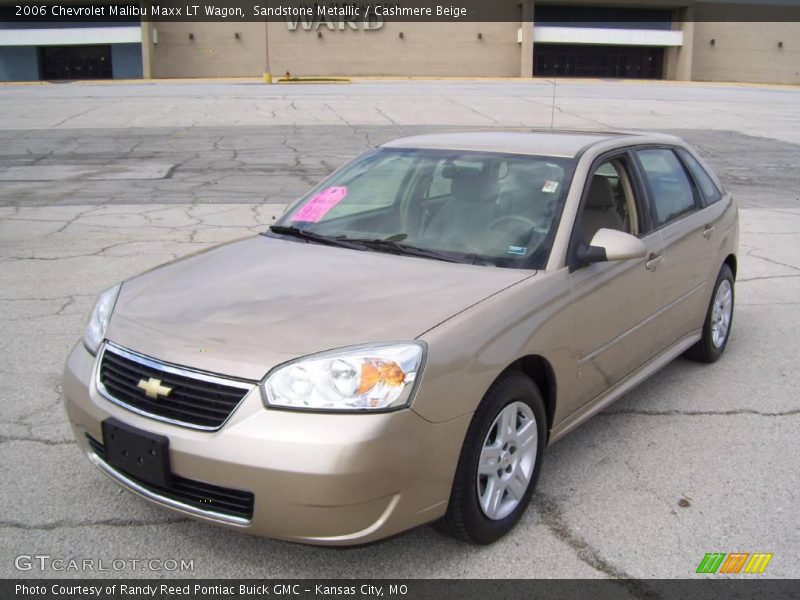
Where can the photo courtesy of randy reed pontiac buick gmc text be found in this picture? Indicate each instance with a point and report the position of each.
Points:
(170, 590)
(403, 344)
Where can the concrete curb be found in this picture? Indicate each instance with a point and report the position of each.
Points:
(388, 78)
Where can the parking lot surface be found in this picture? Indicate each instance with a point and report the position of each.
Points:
(99, 182)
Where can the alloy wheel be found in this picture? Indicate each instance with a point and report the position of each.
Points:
(721, 313)
(508, 455)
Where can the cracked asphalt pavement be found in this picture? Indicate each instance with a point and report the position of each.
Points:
(99, 182)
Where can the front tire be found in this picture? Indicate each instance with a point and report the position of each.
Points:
(499, 463)
(719, 320)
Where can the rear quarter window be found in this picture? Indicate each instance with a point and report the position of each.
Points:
(711, 193)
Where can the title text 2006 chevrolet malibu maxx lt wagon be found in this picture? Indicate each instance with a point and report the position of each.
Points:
(402, 345)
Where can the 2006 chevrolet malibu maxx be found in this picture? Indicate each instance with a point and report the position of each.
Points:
(402, 345)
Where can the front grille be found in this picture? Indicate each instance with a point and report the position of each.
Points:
(196, 399)
(197, 494)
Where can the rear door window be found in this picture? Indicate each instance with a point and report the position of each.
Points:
(670, 187)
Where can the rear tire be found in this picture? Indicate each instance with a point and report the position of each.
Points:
(719, 320)
(499, 463)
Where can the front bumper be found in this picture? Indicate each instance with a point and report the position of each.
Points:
(334, 479)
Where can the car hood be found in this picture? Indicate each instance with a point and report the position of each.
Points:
(244, 307)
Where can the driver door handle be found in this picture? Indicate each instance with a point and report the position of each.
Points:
(653, 261)
(707, 231)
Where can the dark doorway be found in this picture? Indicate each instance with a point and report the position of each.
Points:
(75, 62)
(588, 60)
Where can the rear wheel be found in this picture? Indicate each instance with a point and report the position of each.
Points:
(719, 319)
(499, 462)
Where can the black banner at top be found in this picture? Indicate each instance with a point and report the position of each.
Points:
(635, 15)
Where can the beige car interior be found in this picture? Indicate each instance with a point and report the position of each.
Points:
(496, 205)
(472, 204)
(609, 203)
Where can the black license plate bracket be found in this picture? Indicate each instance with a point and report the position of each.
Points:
(140, 454)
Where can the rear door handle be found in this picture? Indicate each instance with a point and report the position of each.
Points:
(653, 261)
(707, 231)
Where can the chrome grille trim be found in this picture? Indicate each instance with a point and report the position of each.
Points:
(246, 386)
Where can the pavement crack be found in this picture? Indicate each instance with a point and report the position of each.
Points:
(554, 520)
(771, 260)
(476, 111)
(69, 302)
(5, 439)
(74, 219)
(767, 303)
(700, 413)
(766, 277)
(75, 116)
(70, 297)
(782, 212)
(390, 119)
(338, 115)
(77, 524)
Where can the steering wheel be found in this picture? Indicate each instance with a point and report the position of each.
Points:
(529, 223)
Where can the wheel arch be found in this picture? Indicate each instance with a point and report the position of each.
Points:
(730, 260)
(539, 369)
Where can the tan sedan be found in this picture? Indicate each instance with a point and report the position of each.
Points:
(402, 345)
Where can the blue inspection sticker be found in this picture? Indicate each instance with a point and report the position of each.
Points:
(517, 250)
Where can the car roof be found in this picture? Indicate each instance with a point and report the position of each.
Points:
(557, 143)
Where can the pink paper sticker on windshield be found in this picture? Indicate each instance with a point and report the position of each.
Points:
(316, 208)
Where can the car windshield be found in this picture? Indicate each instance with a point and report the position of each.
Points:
(474, 207)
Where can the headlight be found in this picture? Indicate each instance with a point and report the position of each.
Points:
(353, 379)
(98, 321)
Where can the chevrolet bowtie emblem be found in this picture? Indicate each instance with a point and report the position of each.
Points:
(153, 388)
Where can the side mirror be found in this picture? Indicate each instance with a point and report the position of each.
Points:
(609, 244)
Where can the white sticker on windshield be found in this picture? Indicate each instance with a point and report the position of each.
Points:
(550, 187)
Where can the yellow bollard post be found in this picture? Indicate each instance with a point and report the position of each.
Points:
(267, 78)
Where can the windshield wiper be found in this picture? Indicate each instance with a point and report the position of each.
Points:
(404, 249)
(388, 244)
(310, 236)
